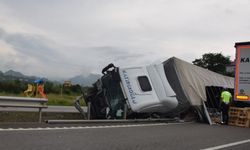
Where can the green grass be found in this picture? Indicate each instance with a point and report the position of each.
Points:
(11, 94)
(64, 100)
(53, 99)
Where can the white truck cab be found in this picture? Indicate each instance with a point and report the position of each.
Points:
(143, 90)
(147, 89)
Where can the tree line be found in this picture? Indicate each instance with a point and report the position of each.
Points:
(215, 62)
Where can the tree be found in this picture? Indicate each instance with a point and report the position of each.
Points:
(213, 61)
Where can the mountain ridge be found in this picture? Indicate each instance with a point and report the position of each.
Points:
(85, 80)
(78, 79)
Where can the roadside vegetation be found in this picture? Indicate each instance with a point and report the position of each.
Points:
(216, 62)
(57, 94)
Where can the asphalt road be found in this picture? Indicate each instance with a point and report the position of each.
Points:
(188, 136)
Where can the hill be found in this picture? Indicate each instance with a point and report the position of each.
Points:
(14, 75)
(85, 80)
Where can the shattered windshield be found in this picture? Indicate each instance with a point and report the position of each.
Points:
(114, 95)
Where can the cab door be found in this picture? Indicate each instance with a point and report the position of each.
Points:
(138, 88)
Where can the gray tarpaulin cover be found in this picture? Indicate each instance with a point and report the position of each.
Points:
(189, 82)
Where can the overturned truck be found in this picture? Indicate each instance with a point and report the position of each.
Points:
(163, 89)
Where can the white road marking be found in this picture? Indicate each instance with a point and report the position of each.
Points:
(227, 145)
(86, 127)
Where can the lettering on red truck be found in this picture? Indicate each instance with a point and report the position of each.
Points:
(244, 60)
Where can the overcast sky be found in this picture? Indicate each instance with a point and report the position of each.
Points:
(64, 38)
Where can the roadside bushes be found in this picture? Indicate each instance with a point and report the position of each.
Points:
(12, 86)
(18, 86)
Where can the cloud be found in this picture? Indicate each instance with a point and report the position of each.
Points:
(30, 45)
(31, 53)
(117, 53)
(64, 38)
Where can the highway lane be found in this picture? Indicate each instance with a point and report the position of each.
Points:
(188, 136)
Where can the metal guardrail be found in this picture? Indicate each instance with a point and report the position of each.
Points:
(26, 102)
